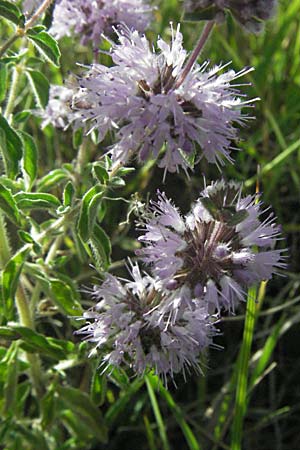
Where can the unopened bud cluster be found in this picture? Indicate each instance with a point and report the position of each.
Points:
(249, 13)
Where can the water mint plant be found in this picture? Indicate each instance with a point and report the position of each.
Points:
(142, 308)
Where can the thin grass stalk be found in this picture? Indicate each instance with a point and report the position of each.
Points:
(240, 408)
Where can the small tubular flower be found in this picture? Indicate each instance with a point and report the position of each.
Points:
(249, 13)
(155, 115)
(125, 320)
(58, 110)
(218, 250)
(91, 18)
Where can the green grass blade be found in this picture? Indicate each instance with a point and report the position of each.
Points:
(157, 414)
(266, 352)
(242, 372)
(149, 434)
(279, 159)
(177, 413)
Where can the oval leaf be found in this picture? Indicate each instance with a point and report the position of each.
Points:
(40, 87)
(10, 278)
(8, 204)
(30, 157)
(36, 200)
(11, 146)
(45, 44)
(88, 212)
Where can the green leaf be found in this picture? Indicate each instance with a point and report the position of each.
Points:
(65, 296)
(11, 386)
(68, 194)
(10, 12)
(30, 157)
(28, 437)
(45, 44)
(98, 388)
(36, 200)
(120, 404)
(22, 392)
(101, 247)
(81, 405)
(77, 137)
(52, 179)
(22, 116)
(100, 173)
(8, 204)
(40, 87)
(3, 81)
(88, 212)
(49, 407)
(8, 333)
(36, 342)
(158, 416)
(10, 278)
(267, 351)
(12, 148)
(125, 170)
(117, 182)
(25, 237)
(176, 411)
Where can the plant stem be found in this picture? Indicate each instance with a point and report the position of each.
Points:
(195, 53)
(44, 6)
(8, 43)
(22, 307)
(82, 156)
(12, 92)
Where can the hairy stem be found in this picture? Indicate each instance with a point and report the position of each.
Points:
(195, 53)
(8, 43)
(12, 92)
(23, 309)
(40, 11)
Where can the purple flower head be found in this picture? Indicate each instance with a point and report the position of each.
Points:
(155, 115)
(91, 18)
(125, 319)
(249, 13)
(218, 250)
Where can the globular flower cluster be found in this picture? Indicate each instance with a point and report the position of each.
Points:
(126, 319)
(91, 18)
(155, 111)
(201, 265)
(249, 13)
(215, 252)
